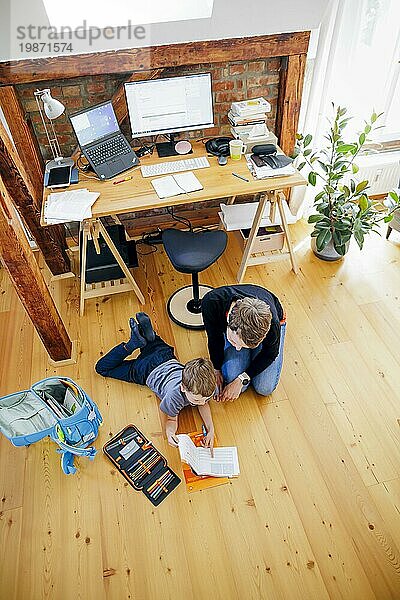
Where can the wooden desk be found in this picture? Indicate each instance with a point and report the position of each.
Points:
(138, 194)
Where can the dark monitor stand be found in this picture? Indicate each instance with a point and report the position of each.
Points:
(168, 148)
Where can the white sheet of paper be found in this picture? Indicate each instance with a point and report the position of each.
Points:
(73, 205)
(224, 464)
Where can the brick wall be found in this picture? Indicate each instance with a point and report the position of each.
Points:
(231, 81)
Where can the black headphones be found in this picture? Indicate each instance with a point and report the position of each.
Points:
(218, 146)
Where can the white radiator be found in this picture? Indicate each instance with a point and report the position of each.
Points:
(382, 171)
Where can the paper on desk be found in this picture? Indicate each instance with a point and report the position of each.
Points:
(224, 464)
(67, 206)
(264, 172)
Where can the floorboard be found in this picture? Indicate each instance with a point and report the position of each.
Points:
(315, 513)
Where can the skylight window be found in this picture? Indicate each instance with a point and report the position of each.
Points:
(113, 13)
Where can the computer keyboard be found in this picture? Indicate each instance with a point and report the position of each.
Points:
(107, 150)
(176, 166)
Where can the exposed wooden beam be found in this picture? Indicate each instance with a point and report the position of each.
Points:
(24, 139)
(119, 101)
(153, 57)
(51, 240)
(289, 100)
(19, 261)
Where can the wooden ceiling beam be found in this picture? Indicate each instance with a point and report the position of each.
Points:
(153, 57)
(24, 139)
(51, 240)
(18, 259)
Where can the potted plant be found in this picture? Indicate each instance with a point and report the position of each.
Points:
(343, 209)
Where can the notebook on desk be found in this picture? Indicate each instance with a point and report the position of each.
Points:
(102, 141)
(173, 185)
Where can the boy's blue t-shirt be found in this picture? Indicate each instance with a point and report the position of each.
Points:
(165, 381)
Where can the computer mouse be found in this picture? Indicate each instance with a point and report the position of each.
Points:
(222, 160)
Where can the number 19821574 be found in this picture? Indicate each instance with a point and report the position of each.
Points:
(45, 47)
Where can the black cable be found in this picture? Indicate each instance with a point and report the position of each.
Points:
(143, 241)
(70, 234)
(184, 220)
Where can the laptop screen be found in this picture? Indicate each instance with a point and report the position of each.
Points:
(94, 123)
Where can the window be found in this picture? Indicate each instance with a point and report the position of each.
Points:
(366, 66)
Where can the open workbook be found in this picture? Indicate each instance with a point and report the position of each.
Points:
(178, 183)
(224, 464)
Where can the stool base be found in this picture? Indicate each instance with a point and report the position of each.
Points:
(179, 307)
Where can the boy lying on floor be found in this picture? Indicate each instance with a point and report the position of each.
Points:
(177, 385)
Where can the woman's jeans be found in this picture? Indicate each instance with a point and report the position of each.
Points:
(236, 362)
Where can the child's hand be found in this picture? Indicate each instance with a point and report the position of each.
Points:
(208, 442)
(172, 440)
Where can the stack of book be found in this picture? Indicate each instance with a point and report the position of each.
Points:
(249, 112)
(248, 120)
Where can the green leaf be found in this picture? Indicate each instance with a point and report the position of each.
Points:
(314, 218)
(374, 117)
(361, 186)
(312, 177)
(319, 196)
(363, 202)
(301, 165)
(345, 148)
(323, 239)
(307, 140)
(361, 139)
(307, 152)
(359, 238)
(394, 196)
(388, 218)
(354, 168)
(367, 129)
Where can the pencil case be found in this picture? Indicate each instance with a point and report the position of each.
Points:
(141, 464)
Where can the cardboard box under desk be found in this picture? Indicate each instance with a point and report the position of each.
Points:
(268, 238)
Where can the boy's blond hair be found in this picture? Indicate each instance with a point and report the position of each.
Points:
(198, 377)
(251, 319)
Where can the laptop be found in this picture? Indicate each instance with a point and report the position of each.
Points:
(102, 141)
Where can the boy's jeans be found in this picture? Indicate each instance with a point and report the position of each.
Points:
(137, 370)
(236, 362)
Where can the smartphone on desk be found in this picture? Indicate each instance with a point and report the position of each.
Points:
(59, 177)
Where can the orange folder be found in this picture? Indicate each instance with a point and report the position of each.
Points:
(194, 483)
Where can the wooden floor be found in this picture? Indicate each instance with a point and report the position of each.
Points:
(315, 512)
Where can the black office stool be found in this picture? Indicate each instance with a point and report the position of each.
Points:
(191, 253)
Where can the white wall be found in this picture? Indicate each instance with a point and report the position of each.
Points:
(230, 18)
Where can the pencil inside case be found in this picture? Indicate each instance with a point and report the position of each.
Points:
(161, 485)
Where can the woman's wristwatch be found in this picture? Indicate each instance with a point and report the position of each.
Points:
(244, 378)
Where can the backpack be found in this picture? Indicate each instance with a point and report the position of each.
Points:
(56, 407)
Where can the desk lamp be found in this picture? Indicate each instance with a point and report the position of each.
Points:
(52, 109)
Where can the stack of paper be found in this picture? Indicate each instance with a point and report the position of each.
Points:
(75, 205)
(264, 172)
(225, 462)
(241, 216)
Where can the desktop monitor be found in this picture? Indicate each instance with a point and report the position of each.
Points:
(170, 105)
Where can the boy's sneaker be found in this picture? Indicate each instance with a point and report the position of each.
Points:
(145, 326)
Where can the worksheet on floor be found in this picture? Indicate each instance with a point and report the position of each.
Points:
(224, 464)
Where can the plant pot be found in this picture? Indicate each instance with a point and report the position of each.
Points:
(328, 253)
